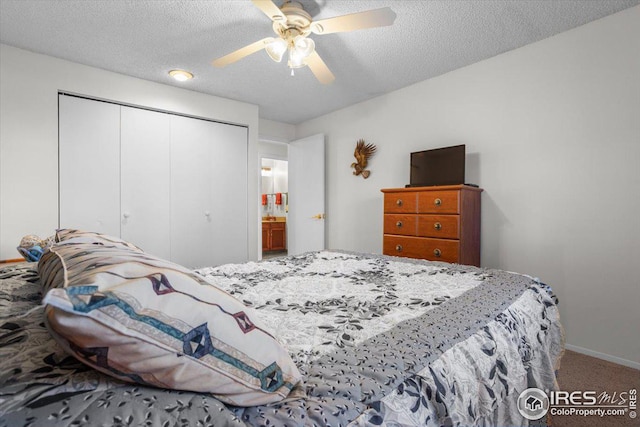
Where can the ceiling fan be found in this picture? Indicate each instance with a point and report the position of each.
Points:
(292, 25)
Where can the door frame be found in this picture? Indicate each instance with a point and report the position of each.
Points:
(266, 155)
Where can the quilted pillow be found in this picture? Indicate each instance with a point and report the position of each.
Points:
(50, 265)
(145, 320)
(65, 234)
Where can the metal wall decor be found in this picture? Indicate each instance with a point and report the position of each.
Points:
(362, 154)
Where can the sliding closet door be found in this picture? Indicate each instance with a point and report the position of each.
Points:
(89, 158)
(175, 186)
(209, 192)
(146, 180)
(229, 163)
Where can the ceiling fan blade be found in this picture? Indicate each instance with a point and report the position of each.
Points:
(270, 9)
(355, 21)
(319, 69)
(242, 52)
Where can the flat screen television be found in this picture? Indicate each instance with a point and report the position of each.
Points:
(440, 166)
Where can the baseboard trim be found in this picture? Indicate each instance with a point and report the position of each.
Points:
(603, 356)
(11, 261)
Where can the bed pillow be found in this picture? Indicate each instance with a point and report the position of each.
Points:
(65, 234)
(50, 265)
(145, 320)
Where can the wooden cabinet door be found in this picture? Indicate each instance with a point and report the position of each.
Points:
(278, 236)
(266, 244)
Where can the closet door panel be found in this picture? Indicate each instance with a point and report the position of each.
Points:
(89, 159)
(146, 180)
(229, 207)
(191, 190)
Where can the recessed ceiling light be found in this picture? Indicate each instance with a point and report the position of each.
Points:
(180, 75)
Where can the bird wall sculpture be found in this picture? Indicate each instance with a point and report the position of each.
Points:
(362, 154)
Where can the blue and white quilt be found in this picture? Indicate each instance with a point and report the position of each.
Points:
(379, 341)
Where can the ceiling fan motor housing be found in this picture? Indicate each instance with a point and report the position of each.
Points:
(297, 19)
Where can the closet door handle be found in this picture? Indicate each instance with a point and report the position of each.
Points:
(126, 215)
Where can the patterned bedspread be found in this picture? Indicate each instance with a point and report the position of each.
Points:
(379, 341)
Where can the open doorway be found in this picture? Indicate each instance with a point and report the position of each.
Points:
(274, 206)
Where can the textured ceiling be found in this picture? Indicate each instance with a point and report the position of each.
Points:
(147, 38)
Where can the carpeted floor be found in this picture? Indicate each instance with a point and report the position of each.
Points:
(585, 373)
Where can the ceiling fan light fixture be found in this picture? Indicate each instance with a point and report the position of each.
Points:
(300, 49)
(276, 49)
(303, 45)
(296, 60)
(181, 75)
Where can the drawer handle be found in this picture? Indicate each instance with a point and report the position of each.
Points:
(399, 248)
(437, 202)
(437, 253)
(399, 202)
(437, 226)
(399, 224)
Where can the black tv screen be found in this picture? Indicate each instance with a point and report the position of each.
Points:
(440, 166)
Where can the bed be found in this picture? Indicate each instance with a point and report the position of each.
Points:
(378, 341)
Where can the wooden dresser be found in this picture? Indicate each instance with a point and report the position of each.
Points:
(436, 223)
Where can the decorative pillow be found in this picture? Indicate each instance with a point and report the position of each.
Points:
(65, 234)
(146, 320)
(32, 247)
(50, 265)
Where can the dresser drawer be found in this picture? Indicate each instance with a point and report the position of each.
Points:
(400, 224)
(402, 202)
(441, 226)
(439, 202)
(421, 247)
(410, 247)
(441, 250)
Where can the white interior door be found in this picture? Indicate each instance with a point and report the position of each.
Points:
(146, 180)
(229, 205)
(208, 192)
(191, 190)
(306, 195)
(89, 156)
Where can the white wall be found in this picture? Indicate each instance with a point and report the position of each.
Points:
(553, 136)
(29, 85)
(273, 150)
(276, 131)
